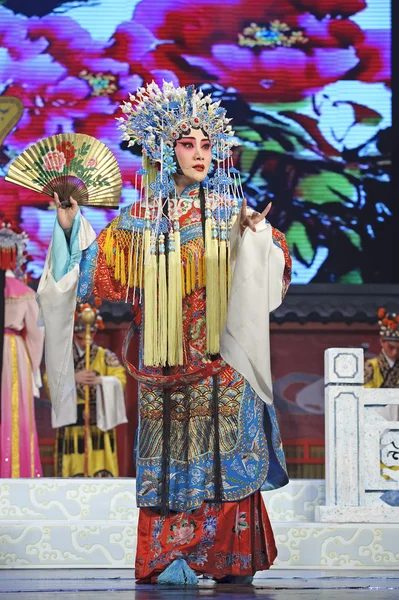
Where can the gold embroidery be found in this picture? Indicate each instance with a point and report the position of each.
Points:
(191, 421)
(31, 418)
(15, 468)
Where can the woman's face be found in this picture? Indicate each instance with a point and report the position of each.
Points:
(194, 155)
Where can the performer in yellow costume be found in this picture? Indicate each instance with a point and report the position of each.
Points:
(383, 370)
(107, 379)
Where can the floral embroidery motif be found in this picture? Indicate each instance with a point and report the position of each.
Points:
(204, 540)
(54, 161)
(241, 523)
(182, 533)
(232, 560)
(209, 526)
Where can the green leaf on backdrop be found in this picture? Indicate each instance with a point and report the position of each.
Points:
(326, 187)
(249, 135)
(299, 242)
(354, 237)
(351, 277)
(281, 106)
(247, 158)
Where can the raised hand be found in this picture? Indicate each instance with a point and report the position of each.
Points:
(253, 219)
(66, 215)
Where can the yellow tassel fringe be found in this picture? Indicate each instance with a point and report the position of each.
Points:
(162, 305)
(150, 303)
(212, 287)
(163, 294)
(223, 277)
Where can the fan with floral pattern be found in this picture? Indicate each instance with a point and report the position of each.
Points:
(70, 164)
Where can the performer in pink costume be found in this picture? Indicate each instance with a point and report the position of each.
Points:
(22, 354)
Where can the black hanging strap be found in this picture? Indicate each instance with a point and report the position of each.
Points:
(166, 409)
(217, 468)
(167, 394)
(202, 208)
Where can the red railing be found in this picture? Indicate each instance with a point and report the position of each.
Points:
(306, 458)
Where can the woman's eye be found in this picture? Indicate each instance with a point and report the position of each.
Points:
(187, 145)
(206, 146)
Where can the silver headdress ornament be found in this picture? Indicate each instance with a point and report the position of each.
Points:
(156, 118)
(13, 248)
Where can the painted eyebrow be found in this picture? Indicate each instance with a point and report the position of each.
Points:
(192, 138)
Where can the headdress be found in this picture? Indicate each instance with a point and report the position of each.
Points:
(389, 325)
(13, 253)
(98, 323)
(156, 118)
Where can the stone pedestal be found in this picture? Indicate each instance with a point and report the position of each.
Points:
(361, 482)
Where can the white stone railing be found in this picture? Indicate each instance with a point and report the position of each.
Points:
(362, 444)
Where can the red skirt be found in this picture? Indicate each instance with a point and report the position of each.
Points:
(234, 538)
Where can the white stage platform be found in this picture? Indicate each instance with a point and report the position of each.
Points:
(76, 523)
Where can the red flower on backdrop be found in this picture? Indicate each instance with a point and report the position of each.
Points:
(52, 95)
(68, 150)
(374, 54)
(334, 8)
(61, 74)
(269, 51)
(63, 77)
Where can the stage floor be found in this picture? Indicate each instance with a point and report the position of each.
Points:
(277, 584)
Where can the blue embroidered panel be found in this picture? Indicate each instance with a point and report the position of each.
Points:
(193, 187)
(277, 475)
(126, 221)
(190, 232)
(87, 268)
(244, 468)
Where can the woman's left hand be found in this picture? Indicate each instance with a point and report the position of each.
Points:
(253, 219)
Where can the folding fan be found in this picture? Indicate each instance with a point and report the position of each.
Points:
(71, 164)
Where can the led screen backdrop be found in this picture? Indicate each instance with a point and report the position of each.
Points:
(306, 81)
